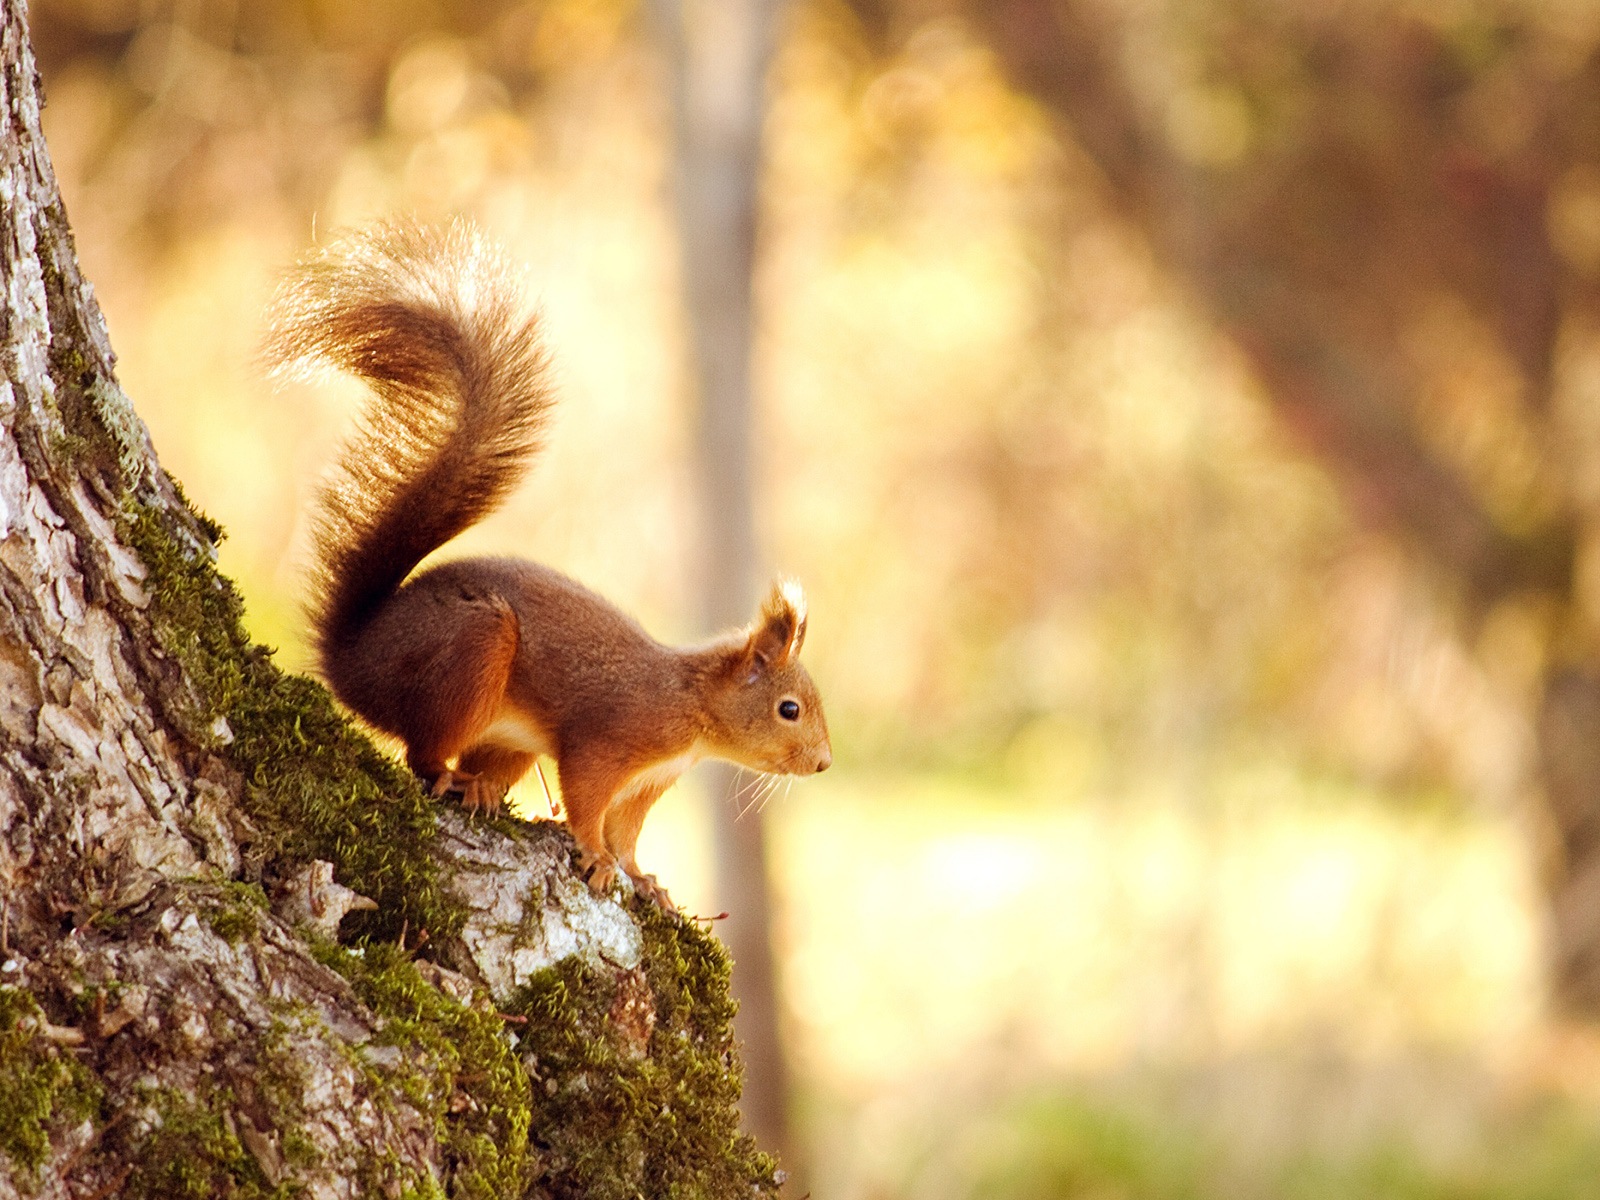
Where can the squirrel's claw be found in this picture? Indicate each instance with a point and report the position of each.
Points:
(476, 793)
(599, 871)
(647, 887)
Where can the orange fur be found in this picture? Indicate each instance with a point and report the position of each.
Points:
(480, 665)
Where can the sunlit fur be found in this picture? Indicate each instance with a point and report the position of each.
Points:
(481, 665)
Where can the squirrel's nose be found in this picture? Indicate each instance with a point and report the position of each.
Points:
(824, 760)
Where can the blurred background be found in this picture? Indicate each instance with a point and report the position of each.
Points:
(1185, 418)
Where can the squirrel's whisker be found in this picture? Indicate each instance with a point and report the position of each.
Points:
(773, 783)
(764, 782)
(788, 785)
(750, 780)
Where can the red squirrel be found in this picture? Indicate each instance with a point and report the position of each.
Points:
(482, 664)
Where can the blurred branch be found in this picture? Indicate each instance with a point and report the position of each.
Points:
(1313, 254)
(1375, 170)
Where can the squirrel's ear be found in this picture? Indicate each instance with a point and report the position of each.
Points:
(779, 632)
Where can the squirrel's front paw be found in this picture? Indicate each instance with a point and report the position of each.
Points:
(647, 887)
(599, 870)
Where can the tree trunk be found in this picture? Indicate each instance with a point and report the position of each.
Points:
(718, 52)
(177, 1016)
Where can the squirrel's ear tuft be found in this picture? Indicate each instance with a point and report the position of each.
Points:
(780, 631)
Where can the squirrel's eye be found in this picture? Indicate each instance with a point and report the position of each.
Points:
(789, 710)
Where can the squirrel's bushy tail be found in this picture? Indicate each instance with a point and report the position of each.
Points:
(434, 320)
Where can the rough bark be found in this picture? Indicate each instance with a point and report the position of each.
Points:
(718, 55)
(185, 832)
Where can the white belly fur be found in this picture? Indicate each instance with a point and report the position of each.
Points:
(515, 731)
(660, 775)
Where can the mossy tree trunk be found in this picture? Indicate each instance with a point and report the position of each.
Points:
(186, 833)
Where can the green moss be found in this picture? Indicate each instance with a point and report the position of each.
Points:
(457, 1069)
(97, 429)
(193, 1149)
(193, 1152)
(314, 786)
(280, 1085)
(299, 1150)
(611, 1123)
(42, 1090)
(234, 909)
(106, 921)
(211, 528)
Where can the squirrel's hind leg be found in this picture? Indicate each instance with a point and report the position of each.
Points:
(587, 785)
(465, 686)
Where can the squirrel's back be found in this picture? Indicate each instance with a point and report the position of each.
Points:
(433, 319)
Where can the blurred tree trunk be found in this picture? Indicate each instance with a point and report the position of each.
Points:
(1318, 249)
(718, 52)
